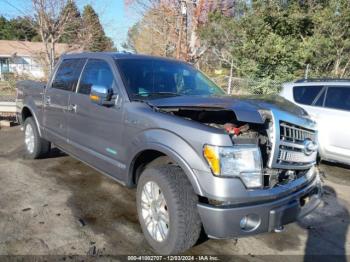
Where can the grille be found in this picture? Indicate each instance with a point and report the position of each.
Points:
(294, 133)
(290, 151)
(297, 157)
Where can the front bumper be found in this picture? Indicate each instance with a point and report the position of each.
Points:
(226, 222)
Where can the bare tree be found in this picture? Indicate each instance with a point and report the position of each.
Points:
(165, 23)
(187, 17)
(51, 17)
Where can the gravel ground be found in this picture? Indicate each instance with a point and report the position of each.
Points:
(59, 206)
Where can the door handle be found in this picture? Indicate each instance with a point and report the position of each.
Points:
(72, 108)
(47, 100)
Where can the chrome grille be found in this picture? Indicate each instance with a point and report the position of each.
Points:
(294, 133)
(289, 142)
(296, 157)
(291, 149)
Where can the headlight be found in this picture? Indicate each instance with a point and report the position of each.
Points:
(243, 161)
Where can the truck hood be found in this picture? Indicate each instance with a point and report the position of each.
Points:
(246, 108)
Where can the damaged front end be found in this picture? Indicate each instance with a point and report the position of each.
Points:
(286, 144)
(262, 158)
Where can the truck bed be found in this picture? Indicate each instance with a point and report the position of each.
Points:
(31, 93)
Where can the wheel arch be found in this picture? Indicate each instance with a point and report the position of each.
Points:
(151, 153)
(26, 112)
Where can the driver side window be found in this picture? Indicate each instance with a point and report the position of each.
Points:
(96, 72)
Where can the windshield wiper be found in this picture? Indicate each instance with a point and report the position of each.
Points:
(146, 102)
(159, 94)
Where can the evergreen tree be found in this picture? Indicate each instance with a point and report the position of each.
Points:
(277, 40)
(4, 28)
(95, 37)
(23, 28)
(19, 28)
(73, 27)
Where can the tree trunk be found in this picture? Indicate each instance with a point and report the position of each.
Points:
(336, 67)
(229, 87)
(178, 47)
(194, 41)
(52, 56)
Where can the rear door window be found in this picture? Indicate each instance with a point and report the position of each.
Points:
(338, 98)
(96, 72)
(67, 74)
(306, 95)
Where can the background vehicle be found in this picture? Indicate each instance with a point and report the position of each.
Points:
(328, 102)
(200, 160)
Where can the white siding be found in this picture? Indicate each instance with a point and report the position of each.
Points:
(26, 65)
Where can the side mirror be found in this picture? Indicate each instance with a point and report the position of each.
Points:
(101, 95)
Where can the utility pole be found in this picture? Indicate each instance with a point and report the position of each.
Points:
(183, 20)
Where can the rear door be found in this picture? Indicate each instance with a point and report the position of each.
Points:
(334, 123)
(95, 131)
(310, 98)
(56, 99)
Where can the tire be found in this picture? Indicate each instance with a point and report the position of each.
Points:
(318, 159)
(184, 224)
(35, 146)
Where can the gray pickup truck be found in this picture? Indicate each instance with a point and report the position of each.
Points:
(202, 161)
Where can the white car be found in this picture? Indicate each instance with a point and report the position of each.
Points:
(328, 103)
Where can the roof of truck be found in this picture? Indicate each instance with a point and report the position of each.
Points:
(116, 55)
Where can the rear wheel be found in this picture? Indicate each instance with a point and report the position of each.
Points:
(36, 146)
(167, 209)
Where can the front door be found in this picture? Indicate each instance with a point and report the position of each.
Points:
(56, 100)
(95, 131)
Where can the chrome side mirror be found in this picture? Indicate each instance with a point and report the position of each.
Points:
(102, 95)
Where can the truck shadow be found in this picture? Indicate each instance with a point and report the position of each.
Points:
(20, 153)
(107, 209)
(55, 153)
(327, 229)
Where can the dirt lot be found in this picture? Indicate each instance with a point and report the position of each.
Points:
(59, 206)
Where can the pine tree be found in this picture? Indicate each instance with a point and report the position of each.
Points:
(4, 29)
(19, 28)
(73, 27)
(95, 37)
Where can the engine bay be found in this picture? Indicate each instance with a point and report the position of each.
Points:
(241, 133)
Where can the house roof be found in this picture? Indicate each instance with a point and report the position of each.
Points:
(25, 48)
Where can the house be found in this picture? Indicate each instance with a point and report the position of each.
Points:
(22, 57)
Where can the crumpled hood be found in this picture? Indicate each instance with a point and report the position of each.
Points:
(246, 108)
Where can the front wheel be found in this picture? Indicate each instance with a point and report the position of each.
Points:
(167, 209)
(36, 146)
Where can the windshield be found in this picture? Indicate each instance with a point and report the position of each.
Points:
(150, 79)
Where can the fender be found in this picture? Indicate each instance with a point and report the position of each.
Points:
(30, 104)
(169, 144)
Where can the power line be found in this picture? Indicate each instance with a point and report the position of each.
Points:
(15, 7)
